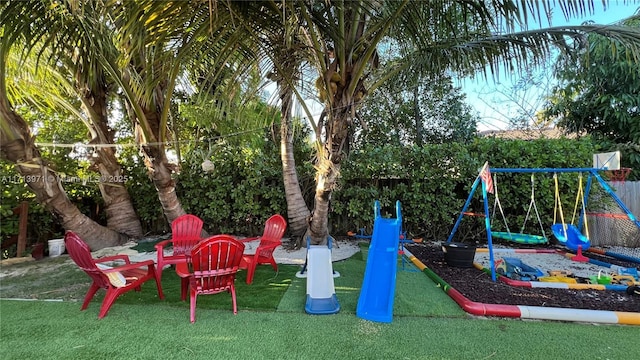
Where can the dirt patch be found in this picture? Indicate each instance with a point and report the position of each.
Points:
(50, 278)
(477, 286)
(60, 278)
(35, 268)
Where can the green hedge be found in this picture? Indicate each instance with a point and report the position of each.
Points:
(432, 183)
(242, 191)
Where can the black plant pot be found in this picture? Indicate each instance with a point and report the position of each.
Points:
(459, 254)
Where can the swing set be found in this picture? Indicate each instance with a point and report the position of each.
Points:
(521, 237)
(568, 235)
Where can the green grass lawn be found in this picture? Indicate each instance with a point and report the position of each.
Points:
(271, 323)
(58, 330)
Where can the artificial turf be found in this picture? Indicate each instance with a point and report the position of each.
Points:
(271, 324)
(58, 330)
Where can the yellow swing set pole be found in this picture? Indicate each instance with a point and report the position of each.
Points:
(580, 196)
(558, 205)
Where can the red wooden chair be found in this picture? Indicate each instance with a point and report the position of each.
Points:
(214, 264)
(271, 238)
(116, 281)
(186, 232)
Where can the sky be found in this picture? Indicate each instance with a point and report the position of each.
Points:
(495, 102)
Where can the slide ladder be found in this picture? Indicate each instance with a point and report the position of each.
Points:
(321, 293)
(378, 287)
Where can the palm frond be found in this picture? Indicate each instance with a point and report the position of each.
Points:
(512, 52)
(43, 87)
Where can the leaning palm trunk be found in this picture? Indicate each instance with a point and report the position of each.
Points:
(150, 134)
(166, 186)
(119, 210)
(297, 210)
(160, 170)
(17, 146)
(120, 213)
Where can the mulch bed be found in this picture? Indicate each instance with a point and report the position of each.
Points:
(477, 286)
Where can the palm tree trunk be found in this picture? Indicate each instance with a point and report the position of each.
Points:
(155, 160)
(160, 171)
(166, 187)
(297, 210)
(17, 146)
(120, 213)
(319, 221)
(328, 166)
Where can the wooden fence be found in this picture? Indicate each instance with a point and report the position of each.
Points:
(613, 228)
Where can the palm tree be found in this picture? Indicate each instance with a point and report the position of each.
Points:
(281, 43)
(140, 45)
(273, 29)
(18, 147)
(49, 85)
(462, 36)
(157, 41)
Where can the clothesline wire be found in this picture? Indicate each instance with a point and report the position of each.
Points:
(170, 142)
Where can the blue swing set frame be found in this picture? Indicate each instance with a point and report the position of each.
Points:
(569, 240)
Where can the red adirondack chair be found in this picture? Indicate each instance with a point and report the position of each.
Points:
(116, 281)
(186, 232)
(214, 264)
(274, 229)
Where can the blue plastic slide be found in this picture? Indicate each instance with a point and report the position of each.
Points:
(321, 293)
(378, 287)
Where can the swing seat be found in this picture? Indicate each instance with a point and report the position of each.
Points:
(520, 238)
(574, 237)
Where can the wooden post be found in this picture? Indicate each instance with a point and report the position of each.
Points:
(22, 228)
